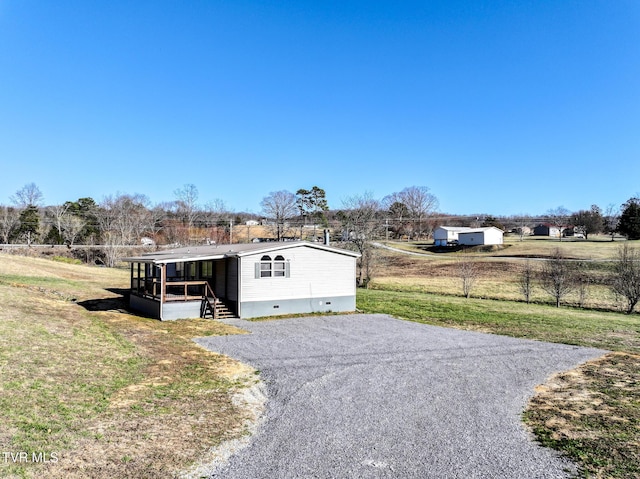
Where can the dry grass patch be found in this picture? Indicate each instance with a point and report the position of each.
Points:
(592, 413)
(110, 394)
(497, 278)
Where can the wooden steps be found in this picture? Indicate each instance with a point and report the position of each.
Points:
(215, 309)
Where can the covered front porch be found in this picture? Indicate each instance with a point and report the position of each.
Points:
(183, 289)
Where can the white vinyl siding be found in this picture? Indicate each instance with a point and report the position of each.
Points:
(308, 273)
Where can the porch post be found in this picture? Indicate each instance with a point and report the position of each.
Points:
(138, 280)
(163, 282)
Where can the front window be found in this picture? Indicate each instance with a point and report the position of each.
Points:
(190, 271)
(207, 269)
(265, 267)
(279, 266)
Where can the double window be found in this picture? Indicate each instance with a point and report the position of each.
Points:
(272, 268)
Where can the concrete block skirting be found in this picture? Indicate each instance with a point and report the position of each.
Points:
(255, 309)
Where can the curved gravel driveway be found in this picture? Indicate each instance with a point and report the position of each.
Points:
(370, 396)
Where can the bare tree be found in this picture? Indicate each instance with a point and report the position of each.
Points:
(215, 209)
(71, 228)
(611, 218)
(166, 215)
(9, 223)
(420, 204)
(557, 276)
(522, 223)
(468, 272)
(626, 276)
(582, 280)
(28, 195)
(559, 217)
(279, 206)
(360, 223)
(57, 213)
(123, 220)
(187, 205)
(215, 214)
(526, 280)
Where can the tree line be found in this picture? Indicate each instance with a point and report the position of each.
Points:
(558, 277)
(412, 214)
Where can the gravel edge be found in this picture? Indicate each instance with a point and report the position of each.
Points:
(252, 400)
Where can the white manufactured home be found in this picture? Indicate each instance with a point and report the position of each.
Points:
(481, 236)
(243, 280)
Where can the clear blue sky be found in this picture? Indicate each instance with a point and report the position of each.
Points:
(500, 107)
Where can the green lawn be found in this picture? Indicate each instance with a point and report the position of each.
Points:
(607, 330)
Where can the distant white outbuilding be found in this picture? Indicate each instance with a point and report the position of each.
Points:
(444, 235)
(481, 236)
(464, 235)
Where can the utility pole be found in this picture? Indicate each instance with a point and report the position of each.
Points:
(231, 231)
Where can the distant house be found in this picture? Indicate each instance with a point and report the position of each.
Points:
(489, 235)
(522, 230)
(547, 229)
(243, 280)
(463, 235)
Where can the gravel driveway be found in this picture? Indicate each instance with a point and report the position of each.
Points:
(370, 396)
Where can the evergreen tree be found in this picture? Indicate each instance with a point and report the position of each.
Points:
(29, 224)
(312, 203)
(629, 223)
(86, 210)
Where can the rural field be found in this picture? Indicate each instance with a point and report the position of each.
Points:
(99, 392)
(592, 413)
(95, 392)
(498, 269)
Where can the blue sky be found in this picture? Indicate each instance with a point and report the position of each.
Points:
(499, 107)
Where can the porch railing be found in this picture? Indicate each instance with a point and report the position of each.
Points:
(174, 290)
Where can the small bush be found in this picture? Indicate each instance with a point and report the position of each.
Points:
(64, 259)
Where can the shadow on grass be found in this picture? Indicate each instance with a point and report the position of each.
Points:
(119, 303)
